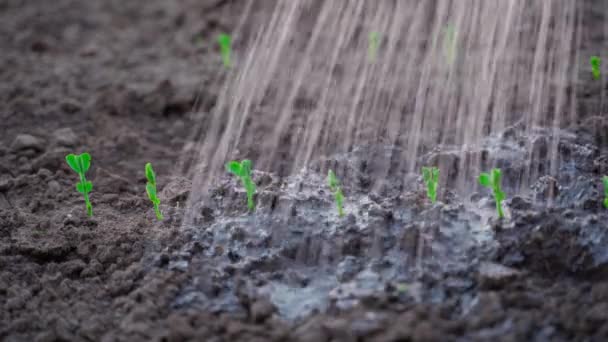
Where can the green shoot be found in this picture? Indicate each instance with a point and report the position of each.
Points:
(374, 43)
(151, 190)
(243, 171)
(431, 178)
(80, 164)
(225, 47)
(334, 186)
(492, 180)
(595, 66)
(605, 181)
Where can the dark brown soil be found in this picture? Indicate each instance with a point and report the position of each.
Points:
(119, 79)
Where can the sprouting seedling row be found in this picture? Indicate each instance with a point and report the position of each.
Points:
(81, 164)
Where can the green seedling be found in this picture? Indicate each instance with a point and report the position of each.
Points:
(492, 180)
(374, 43)
(151, 190)
(80, 164)
(243, 171)
(334, 186)
(431, 179)
(595, 66)
(225, 48)
(605, 181)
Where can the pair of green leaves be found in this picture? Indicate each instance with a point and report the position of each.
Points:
(225, 42)
(81, 164)
(595, 62)
(151, 190)
(431, 179)
(334, 186)
(492, 180)
(243, 171)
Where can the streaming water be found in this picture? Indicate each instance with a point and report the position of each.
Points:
(446, 73)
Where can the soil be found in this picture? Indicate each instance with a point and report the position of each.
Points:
(119, 79)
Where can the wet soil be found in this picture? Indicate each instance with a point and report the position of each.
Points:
(119, 79)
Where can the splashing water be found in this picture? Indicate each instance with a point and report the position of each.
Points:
(303, 86)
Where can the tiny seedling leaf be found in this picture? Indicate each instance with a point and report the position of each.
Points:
(334, 186)
(426, 174)
(435, 175)
(246, 167)
(72, 161)
(150, 175)
(496, 177)
(85, 162)
(332, 180)
(595, 66)
(484, 179)
(234, 167)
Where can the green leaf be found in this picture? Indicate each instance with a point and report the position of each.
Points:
(484, 179)
(150, 175)
(151, 191)
(85, 161)
(606, 203)
(84, 188)
(426, 174)
(605, 181)
(234, 167)
(332, 180)
(73, 162)
(224, 40)
(246, 168)
(435, 174)
(496, 175)
(89, 186)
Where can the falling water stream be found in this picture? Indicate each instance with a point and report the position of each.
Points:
(446, 73)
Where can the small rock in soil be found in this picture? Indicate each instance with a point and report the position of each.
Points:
(26, 141)
(261, 310)
(493, 275)
(5, 183)
(65, 137)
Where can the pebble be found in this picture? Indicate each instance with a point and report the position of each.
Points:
(26, 141)
(53, 187)
(261, 310)
(495, 275)
(65, 137)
